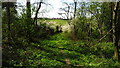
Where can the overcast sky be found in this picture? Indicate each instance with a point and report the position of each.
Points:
(52, 10)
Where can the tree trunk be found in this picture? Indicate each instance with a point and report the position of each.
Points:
(36, 14)
(8, 15)
(28, 20)
(111, 22)
(75, 8)
(116, 34)
(28, 9)
(68, 12)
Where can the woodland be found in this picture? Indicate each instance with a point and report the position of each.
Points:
(87, 35)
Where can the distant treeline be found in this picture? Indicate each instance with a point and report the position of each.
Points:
(51, 18)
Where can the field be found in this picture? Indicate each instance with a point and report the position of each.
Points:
(58, 21)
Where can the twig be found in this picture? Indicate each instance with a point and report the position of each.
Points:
(106, 34)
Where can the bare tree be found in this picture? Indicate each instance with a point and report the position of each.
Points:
(66, 10)
(37, 11)
(75, 3)
(36, 14)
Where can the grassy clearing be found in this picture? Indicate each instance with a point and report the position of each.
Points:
(60, 51)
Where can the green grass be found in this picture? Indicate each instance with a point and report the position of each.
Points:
(53, 52)
(58, 21)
